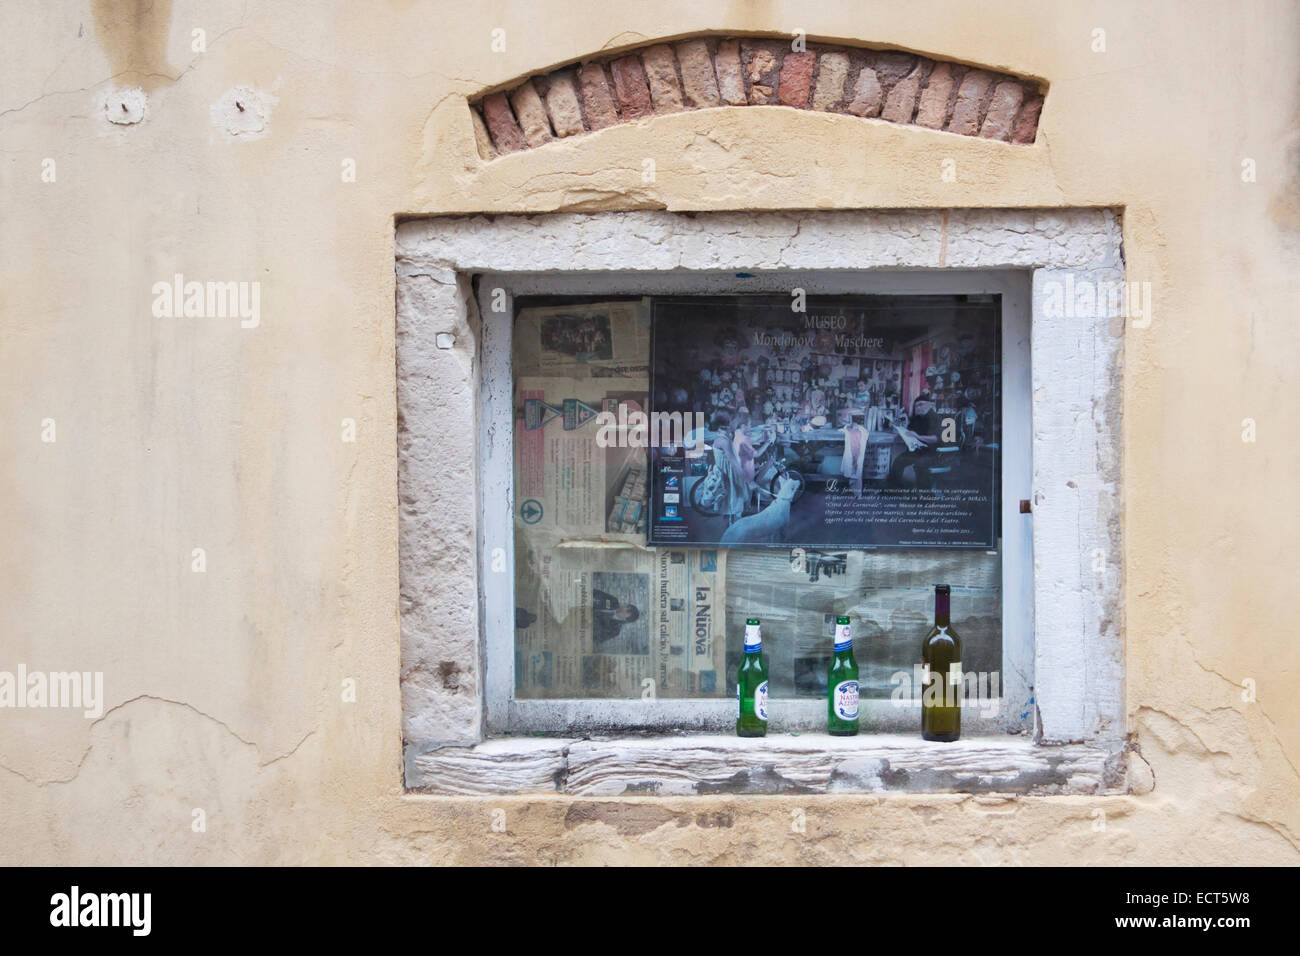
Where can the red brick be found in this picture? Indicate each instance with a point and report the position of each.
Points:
(1007, 97)
(731, 84)
(631, 88)
(562, 104)
(867, 94)
(1026, 128)
(829, 92)
(481, 138)
(796, 79)
(595, 97)
(531, 114)
(901, 101)
(759, 58)
(892, 67)
(699, 85)
(661, 72)
(933, 109)
(970, 100)
(507, 137)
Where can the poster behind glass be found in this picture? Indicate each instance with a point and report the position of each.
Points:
(859, 422)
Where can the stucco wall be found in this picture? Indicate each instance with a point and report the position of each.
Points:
(224, 688)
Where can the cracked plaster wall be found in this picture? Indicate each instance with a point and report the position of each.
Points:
(223, 689)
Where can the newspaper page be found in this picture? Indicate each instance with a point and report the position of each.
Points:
(571, 483)
(597, 613)
(597, 340)
(619, 621)
(889, 596)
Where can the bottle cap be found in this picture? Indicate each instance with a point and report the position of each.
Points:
(752, 621)
(842, 619)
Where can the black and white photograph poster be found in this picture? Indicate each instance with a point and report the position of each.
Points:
(854, 421)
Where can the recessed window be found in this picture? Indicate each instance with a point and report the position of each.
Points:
(572, 604)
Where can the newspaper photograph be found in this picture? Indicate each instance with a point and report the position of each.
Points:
(597, 340)
(618, 621)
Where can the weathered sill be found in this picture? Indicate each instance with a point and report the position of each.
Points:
(687, 765)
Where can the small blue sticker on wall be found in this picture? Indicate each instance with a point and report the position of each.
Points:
(531, 511)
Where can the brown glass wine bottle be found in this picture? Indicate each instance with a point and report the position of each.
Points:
(941, 655)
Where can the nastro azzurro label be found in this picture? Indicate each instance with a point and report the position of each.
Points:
(846, 700)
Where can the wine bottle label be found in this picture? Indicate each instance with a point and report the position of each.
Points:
(846, 700)
(760, 701)
(843, 637)
(753, 639)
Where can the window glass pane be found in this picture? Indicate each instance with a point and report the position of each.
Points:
(889, 596)
(601, 614)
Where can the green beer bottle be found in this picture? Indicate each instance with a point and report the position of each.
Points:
(751, 685)
(941, 655)
(842, 684)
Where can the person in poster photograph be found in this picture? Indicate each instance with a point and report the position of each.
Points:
(862, 421)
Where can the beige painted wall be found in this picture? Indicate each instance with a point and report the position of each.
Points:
(223, 688)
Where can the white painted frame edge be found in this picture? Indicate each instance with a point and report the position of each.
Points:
(505, 714)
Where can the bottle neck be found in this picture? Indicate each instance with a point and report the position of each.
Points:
(942, 608)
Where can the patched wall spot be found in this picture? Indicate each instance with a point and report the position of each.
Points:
(629, 819)
(124, 107)
(243, 112)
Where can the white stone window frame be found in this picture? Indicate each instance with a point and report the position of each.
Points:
(1073, 695)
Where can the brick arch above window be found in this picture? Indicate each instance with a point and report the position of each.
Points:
(734, 72)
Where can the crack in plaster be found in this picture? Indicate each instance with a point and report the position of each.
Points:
(1191, 651)
(1242, 814)
(152, 75)
(165, 700)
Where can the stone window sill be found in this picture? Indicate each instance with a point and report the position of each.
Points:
(687, 765)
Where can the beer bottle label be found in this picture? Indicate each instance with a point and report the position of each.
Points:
(753, 639)
(760, 701)
(843, 637)
(846, 700)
